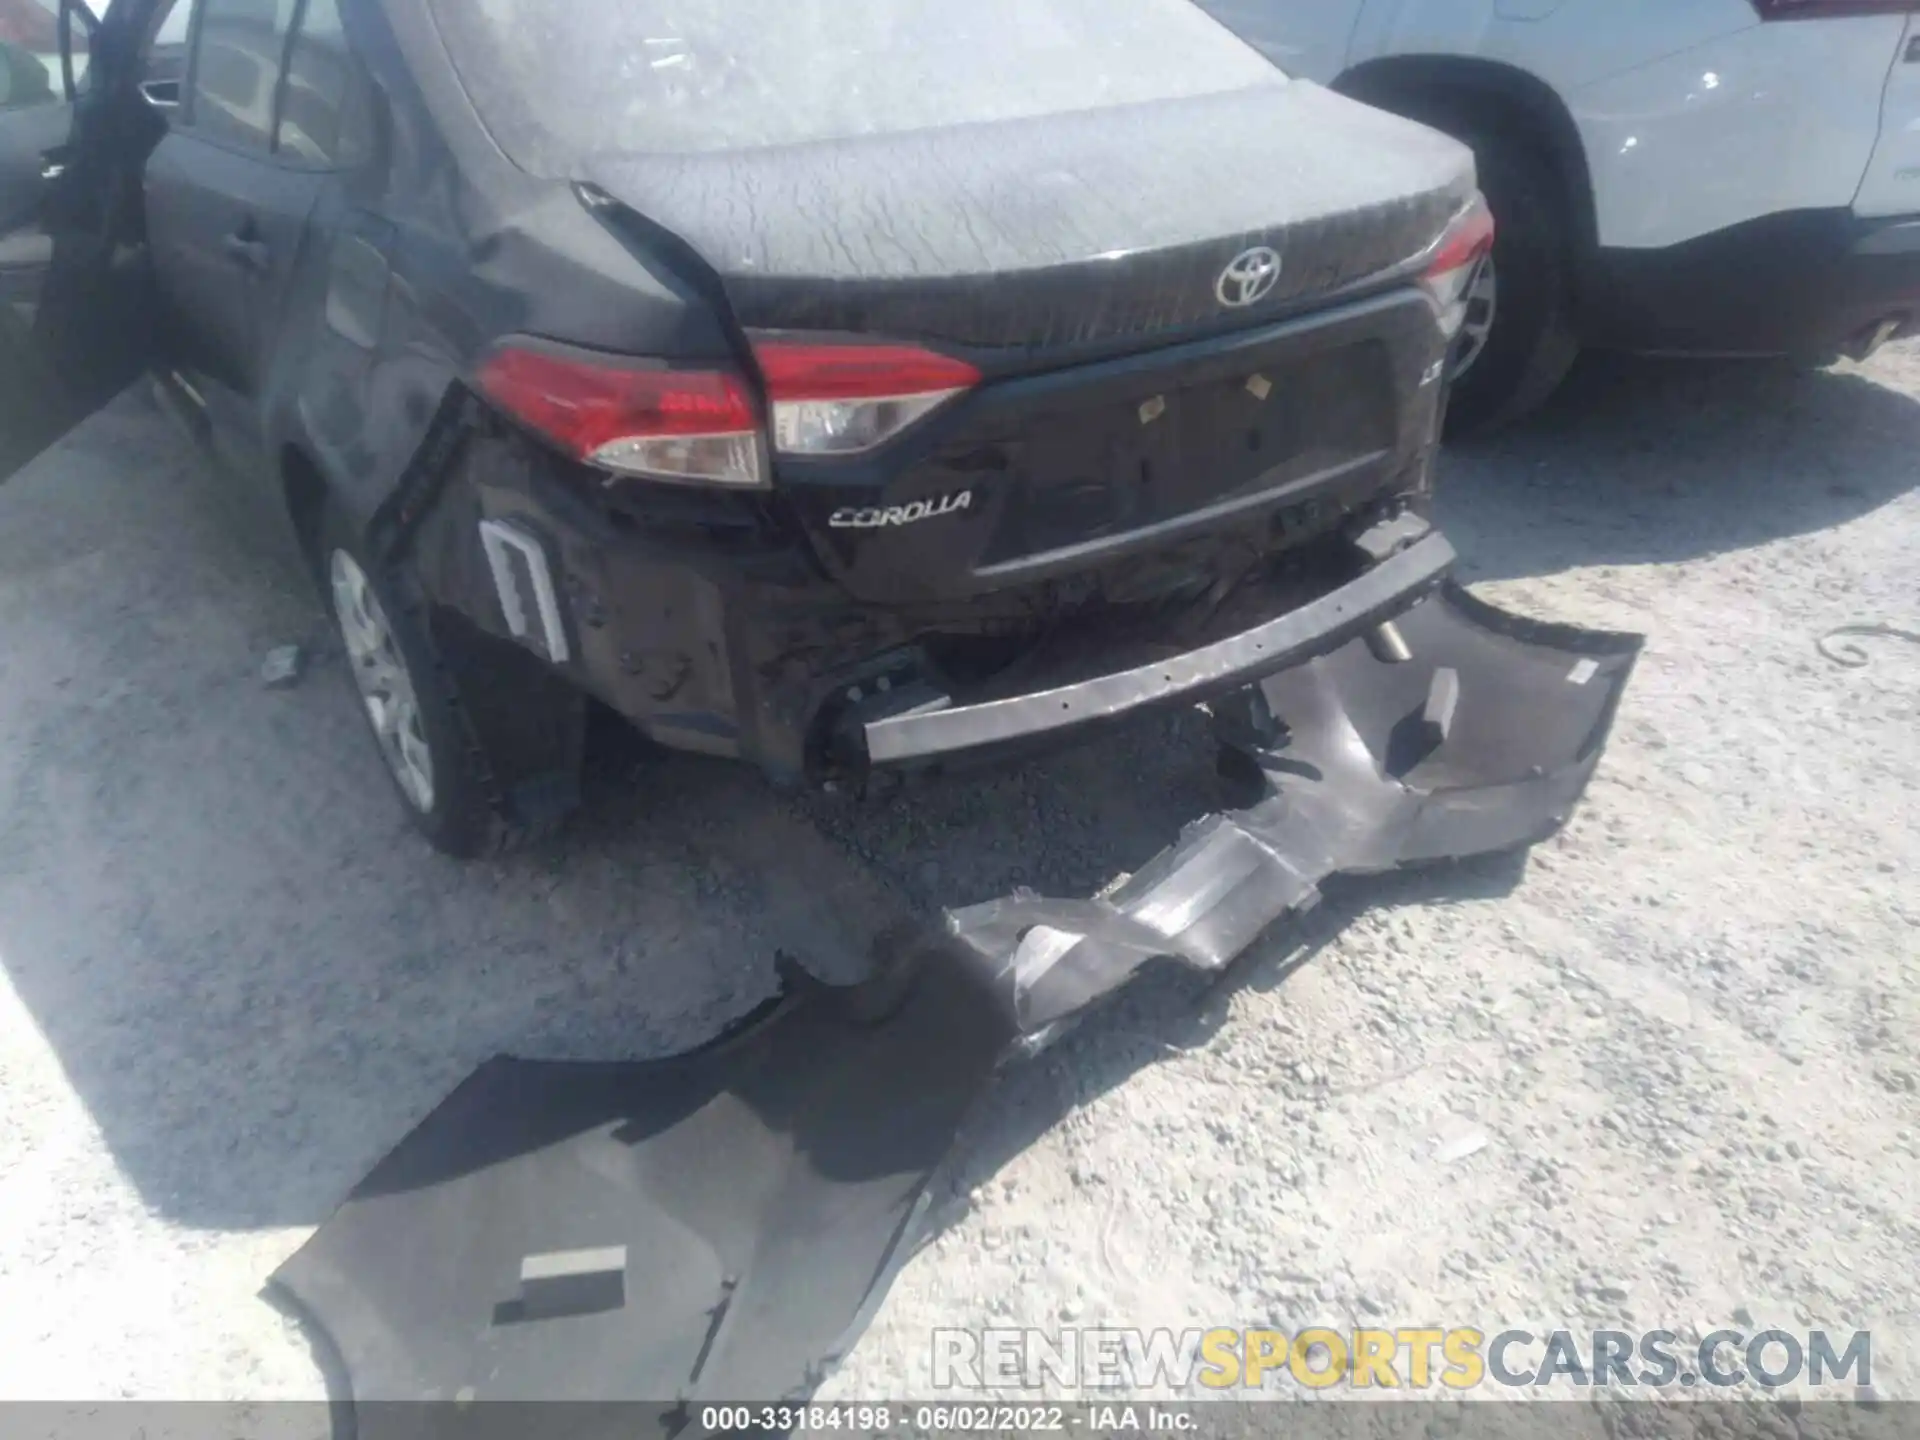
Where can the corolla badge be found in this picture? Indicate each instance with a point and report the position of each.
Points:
(1249, 276)
(880, 517)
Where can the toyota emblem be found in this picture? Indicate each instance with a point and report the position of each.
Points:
(1249, 276)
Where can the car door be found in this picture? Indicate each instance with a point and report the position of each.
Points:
(164, 77)
(226, 212)
(75, 289)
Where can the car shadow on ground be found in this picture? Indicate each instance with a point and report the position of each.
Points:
(257, 979)
(1640, 461)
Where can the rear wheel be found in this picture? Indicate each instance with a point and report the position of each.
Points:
(407, 696)
(385, 680)
(1519, 340)
(1483, 304)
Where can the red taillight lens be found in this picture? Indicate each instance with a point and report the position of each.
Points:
(1831, 9)
(842, 399)
(858, 372)
(633, 416)
(1456, 257)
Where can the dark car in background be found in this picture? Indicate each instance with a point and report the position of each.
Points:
(829, 386)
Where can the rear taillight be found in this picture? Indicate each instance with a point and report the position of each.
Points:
(841, 399)
(702, 425)
(1830, 9)
(636, 417)
(1456, 259)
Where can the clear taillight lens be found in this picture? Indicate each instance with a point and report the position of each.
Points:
(842, 399)
(635, 417)
(1457, 258)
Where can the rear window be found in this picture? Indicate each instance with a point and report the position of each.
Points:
(558, 79)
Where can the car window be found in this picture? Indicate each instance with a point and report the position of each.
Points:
(164, 77)
(326, 111)
(30, 53)
(556, 79)
(237, 69)
(179, 20)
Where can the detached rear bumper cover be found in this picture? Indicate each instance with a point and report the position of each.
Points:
(1498, 762)
(747, 1205)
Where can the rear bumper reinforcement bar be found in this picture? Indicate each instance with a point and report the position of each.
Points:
(1311, 629)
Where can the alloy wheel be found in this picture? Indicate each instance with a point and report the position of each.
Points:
(386, 684)
(1483, 303)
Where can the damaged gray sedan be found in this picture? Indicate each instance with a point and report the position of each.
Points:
(833, 387)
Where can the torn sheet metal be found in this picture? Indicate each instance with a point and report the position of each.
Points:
(720, 1225)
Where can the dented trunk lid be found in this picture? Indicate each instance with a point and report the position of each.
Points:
(1076, 261)
(1045, 237)
(1025, 175)
(1053, 192)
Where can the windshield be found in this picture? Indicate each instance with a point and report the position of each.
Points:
(557, 79)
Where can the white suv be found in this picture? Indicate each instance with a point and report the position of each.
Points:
(1725, 177)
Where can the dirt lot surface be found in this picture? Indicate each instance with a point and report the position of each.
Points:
(1668, 1074)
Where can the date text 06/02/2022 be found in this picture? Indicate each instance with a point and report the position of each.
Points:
(947, 1419)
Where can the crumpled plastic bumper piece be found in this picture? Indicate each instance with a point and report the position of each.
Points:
(720, 1225)
(742, 1208)
(1482, 740)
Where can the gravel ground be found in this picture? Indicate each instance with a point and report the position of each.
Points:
(1663, 1074)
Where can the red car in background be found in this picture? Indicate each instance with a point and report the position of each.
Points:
(29, 47)
(28, 24)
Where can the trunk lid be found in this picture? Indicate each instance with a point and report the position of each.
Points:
(1079, 263)
(1045, 237)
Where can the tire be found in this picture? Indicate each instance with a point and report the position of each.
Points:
(1532, 343)
(439, 771)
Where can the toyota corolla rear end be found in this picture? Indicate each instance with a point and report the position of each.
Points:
(1076, 362)
(1003, 367)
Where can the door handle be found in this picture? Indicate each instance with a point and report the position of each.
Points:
(52, 166)
(250, 254)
